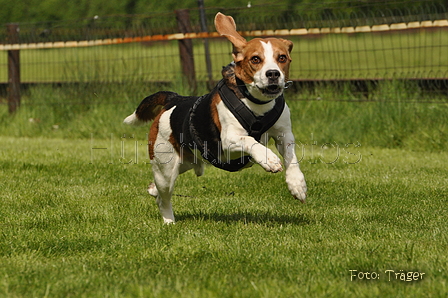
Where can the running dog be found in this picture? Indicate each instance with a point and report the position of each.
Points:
(229, 127)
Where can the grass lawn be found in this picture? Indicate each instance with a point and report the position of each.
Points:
(76, 222)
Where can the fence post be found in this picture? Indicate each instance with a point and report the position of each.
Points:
(208, 61)
(186, 48)
(13, 69)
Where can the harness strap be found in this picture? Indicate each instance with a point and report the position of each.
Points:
(255, 126)
(230, 165)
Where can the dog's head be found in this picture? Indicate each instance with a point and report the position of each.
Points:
(262, 64)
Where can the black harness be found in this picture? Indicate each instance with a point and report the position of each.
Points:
(254, 125)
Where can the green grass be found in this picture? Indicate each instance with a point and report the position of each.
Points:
(391, 119)
(80, 224)
(76, 221)
(334, 56)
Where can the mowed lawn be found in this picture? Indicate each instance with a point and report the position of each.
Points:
(76, 221)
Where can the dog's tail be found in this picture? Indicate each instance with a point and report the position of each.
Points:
(150, 107)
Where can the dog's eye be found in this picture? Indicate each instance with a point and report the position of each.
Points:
(282, 59)
(255, 60)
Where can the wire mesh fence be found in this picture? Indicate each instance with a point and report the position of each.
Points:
(409, 42)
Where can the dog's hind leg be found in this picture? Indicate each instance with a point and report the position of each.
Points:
(198, 170)
(167, 164)
(165, 177)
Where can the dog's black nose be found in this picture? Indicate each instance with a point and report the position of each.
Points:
(272, 74)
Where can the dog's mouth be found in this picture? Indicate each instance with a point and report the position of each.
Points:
(272, 89)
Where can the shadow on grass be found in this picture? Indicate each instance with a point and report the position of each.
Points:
(261, 218)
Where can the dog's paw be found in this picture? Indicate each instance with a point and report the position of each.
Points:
(152, 190)
(297, 187)
(168, 221)
(299, 193)
(271, 163)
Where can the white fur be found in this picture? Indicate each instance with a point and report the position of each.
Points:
(133, 120)
(258, 109)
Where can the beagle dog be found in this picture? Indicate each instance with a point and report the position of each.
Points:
(229, 127)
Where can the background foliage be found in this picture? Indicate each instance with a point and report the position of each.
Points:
(56, 10)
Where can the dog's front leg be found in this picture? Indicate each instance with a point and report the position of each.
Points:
(294, 176)
(234, 145)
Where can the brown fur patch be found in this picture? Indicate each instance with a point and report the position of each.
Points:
(214, 110)
(153, 132)
(175, 144)
(228, 73)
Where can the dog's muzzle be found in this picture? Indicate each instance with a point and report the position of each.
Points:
(273, 87)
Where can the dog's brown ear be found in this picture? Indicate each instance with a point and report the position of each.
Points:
(288, 44)
(225, 25)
